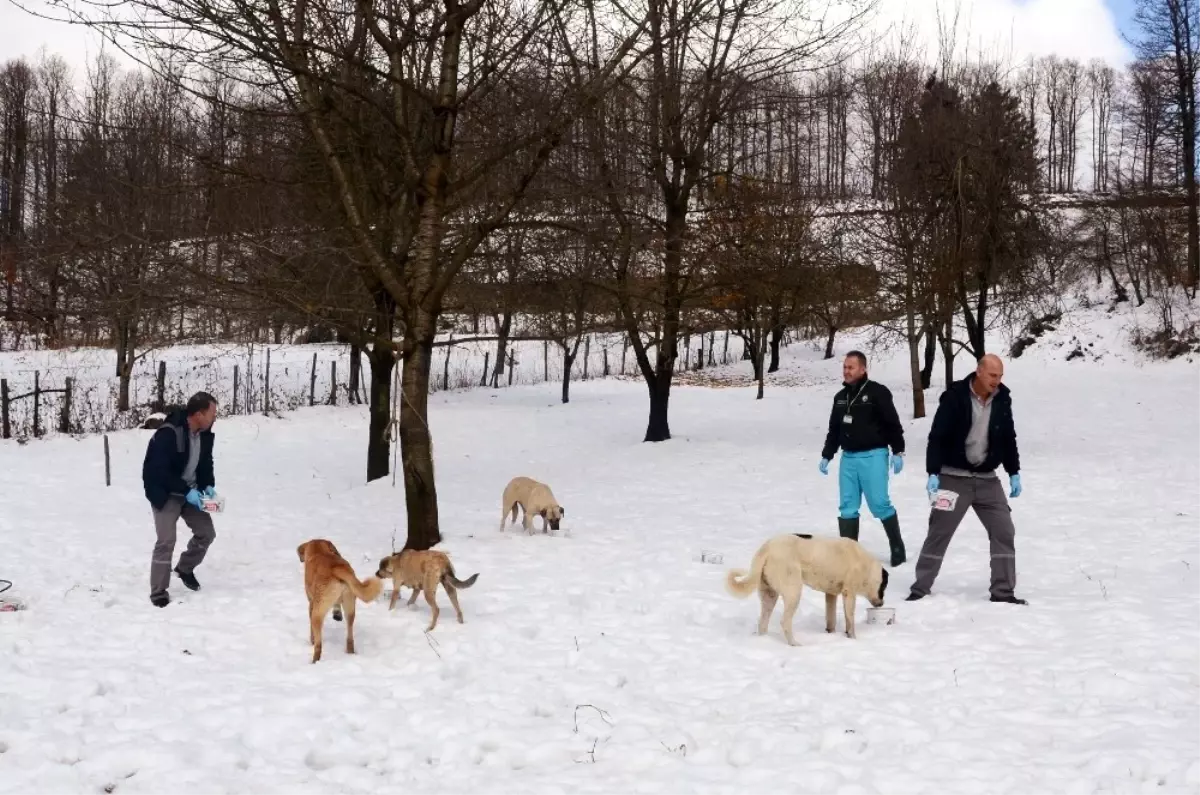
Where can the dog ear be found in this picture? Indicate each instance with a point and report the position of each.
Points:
(300, 551)
(562, 511)
(542, 513)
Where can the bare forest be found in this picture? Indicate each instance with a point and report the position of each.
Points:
(393, 176)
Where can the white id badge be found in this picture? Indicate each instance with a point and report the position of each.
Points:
(847, 419)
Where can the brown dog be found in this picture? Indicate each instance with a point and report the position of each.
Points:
(534, 499)
(329, 581)
(422, 570)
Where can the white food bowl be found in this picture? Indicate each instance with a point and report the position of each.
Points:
(213, 504)
(881, 615)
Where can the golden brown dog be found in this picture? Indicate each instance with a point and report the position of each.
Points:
(329, 581)
(835, 566)
(534, 499)
(422, 570)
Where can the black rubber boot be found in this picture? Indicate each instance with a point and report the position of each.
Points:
(848, 528)
(189, 579)
(891, 526)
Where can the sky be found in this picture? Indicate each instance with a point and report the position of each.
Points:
(1015, 29)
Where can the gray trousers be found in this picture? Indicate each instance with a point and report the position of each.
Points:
(203, 533)
(986, 496)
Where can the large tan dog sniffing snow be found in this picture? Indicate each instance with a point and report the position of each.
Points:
(329, 582)
(786, 563)
(535, 499)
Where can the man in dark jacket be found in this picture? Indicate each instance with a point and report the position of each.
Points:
(864, 424)
(177, 474)
(972, 433)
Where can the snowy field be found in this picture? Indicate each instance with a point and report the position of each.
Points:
(608, 658)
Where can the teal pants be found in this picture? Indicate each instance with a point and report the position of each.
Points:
(865, 473)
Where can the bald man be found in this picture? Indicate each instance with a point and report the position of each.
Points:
(972, 434)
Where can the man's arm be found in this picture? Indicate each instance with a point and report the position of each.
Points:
(157, 466)
(1012, 458)
(831, 437)
(937, 434)
(889, 421)
(205, 477)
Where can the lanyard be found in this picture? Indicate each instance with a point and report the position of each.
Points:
(850, 402)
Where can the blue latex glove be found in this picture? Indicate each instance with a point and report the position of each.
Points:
(210, 492)
(824, 466)
(193, 499)
(933, 485)
(897, 463)
(1015, 483)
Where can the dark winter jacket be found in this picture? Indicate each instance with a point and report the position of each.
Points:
(167, 456)
(874, 422)
(952, 422)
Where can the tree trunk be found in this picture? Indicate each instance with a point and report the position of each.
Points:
(125, 349)
(503, 327)
(948, 356)
(930, 356)
(776, 339)
(829, 341)
(914, 365)
(416, 442)
(378, 446)
(658, 429)
(355, 372)
(760, 359)
(568, 363)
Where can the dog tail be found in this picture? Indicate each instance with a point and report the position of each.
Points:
(457, 583)
(741, 584)
(367, 590)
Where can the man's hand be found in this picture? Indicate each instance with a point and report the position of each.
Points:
(897, 463)
(193, 498)
(210, 492)
(932, 486)
(1015, 484)
(824, 466)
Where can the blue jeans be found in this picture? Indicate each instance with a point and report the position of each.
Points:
(865, 473)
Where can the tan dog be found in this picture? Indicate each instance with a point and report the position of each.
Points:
(835, 566)
(422, 570)
(535, 499)
(329, 581)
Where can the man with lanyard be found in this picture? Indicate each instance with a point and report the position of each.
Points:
(972, 433)
(864, 424)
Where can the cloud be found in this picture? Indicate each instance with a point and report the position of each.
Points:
(1011, 30)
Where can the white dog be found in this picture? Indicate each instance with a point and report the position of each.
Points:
(535, 499)
(786, 563)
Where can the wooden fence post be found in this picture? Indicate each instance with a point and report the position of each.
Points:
(712, 338)
(512, 363)
(587, 354)
(486, 356)
(446, 366)
(725, 353)
(624, 350)
(545, 360)
(37, 405)
(64, 421)
(312, 383)
(333, 383)
(606, 361)
(107, 463)
(160, 402)
(5, 428)
(267, 383)
(235, 388)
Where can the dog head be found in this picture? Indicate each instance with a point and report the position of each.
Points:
(553, 515)
(316, 546)
(385, 566)
(878, 587)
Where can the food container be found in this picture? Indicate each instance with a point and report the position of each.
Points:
(215, 504)
(881, 615)
(944, 500)
(708, 556)
(11, 604)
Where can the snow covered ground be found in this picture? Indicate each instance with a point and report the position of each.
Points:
(608, 658)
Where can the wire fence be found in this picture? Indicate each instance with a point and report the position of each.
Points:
(77, 392)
